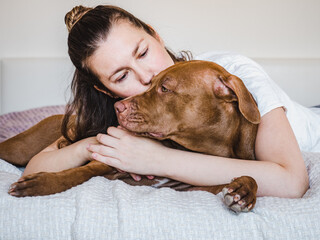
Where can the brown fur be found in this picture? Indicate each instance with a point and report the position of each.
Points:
(204, 109)
(21, 148)
(197, 104)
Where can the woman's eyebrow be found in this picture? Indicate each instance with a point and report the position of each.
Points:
(134, 52)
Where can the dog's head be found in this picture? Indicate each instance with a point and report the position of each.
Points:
(187, 102)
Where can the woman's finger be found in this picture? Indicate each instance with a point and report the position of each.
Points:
(135, 177)
(117, 132)
(102, 150)
(107, 140)
(113, 162)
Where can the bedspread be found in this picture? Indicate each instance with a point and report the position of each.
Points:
(104, 209)
(16, 122)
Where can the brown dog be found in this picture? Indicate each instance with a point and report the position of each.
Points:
(198, 105)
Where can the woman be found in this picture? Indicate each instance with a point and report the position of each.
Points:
(116, 55)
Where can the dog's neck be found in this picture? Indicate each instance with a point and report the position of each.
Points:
(240, 145)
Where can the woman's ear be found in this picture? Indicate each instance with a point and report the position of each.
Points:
(110, 94)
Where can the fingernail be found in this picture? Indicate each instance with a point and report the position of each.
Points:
(137, 178)
(230, 190)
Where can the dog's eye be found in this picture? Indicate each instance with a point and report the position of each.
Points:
(164, 89)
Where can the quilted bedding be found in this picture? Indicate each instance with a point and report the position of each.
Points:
(104, 209)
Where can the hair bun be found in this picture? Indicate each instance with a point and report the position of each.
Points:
(73, 16)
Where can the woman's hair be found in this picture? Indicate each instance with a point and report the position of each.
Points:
(93, 110)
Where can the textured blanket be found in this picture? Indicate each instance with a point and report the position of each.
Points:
(15, 122)
(103, 209)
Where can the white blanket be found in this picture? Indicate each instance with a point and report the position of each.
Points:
(103, 209)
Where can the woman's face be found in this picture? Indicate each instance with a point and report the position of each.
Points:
(126, 62)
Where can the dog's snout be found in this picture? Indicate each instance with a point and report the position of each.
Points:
(120, 107)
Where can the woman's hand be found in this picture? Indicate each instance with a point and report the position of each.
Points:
(82, 149)
(137, 177)
(84, 153)
(127, 152)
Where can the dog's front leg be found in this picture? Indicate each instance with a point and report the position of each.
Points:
(46, 183)
(18, 150)
(239, 195)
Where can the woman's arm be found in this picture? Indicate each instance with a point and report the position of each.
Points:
(279, 172)
(52, 159)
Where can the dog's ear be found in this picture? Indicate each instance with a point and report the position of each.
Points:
(235, 90)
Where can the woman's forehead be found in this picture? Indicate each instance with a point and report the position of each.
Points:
(123, 26)
(113, 52)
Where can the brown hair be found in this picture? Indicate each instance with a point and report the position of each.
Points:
(93, 110)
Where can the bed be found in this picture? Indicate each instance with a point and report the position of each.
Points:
(104, 209)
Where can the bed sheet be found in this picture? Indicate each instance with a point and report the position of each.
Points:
(104, 209)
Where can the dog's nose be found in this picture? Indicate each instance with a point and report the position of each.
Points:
(120, 107)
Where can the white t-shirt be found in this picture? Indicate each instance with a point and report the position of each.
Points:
(268, 95)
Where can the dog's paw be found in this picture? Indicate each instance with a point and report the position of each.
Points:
(37, 184)
(240, 194)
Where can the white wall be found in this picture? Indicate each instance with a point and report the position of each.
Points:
(256, 28)
(261, 29)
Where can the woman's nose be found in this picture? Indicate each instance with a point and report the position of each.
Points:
(145, 75)
(147, 79)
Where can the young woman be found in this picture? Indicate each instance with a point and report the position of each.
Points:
(116, 55)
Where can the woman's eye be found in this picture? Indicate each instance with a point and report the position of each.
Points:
(122, 77)
(144, 53)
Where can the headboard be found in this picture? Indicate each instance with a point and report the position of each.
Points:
(300, 78)
(34, 82)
